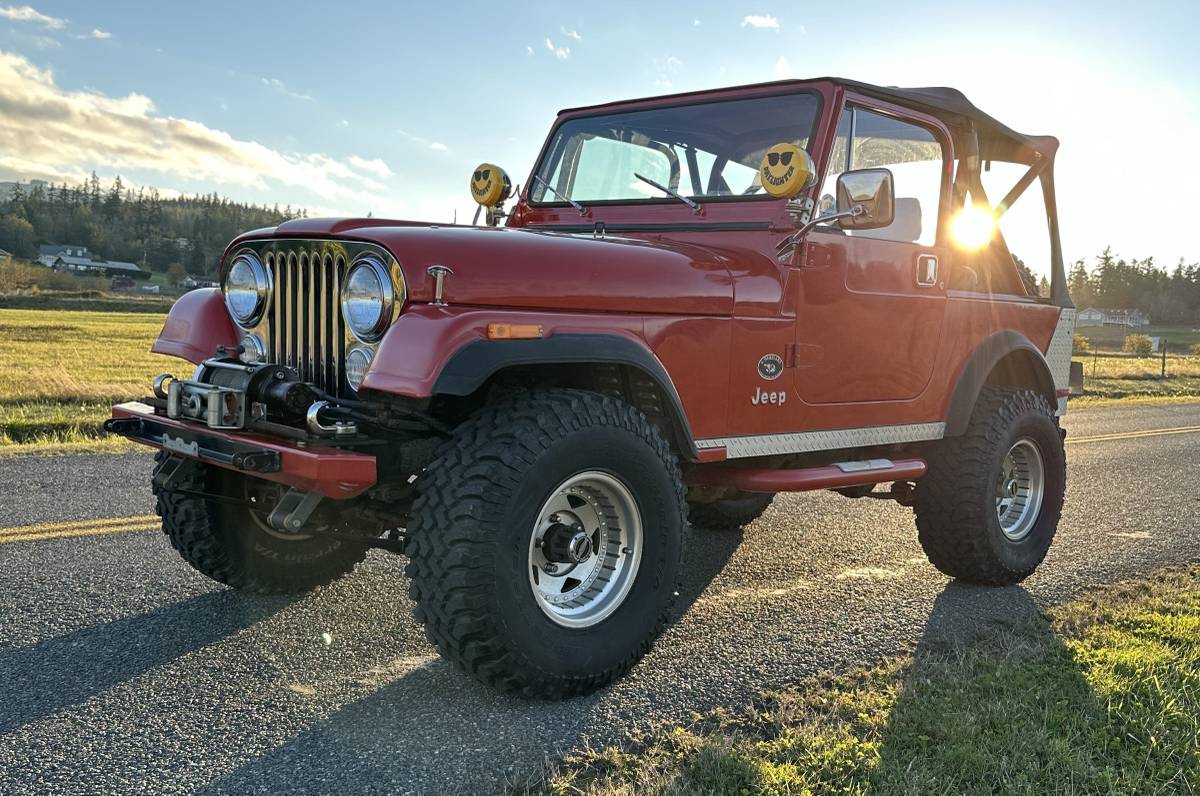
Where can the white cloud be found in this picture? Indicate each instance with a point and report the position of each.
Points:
(373, 166)
(559, 52)
(664, 69)
(783, 68)
(528, 49)
(30, 14)
(436, 146)
(695, 23)
(764, 21)
(97, 34)
(52, 133)
(281, 87)
(571, 34)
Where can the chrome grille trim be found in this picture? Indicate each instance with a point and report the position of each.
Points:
(302, 326)
(306, 323)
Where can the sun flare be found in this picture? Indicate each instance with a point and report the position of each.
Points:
(972, 228)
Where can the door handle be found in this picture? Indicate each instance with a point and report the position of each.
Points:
(927, 270)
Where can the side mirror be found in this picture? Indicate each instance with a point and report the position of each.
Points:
(872, 191)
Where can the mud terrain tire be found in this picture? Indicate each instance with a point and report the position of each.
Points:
(228, 545)
(957, 502)
(472, 530)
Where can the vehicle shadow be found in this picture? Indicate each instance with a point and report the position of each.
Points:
(358, 745)
(54, 674)
(991, 696)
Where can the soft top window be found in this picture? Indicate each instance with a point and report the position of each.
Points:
(707, 150)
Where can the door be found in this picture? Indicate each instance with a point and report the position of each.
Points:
(872, 301)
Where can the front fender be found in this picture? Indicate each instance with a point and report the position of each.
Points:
(197, 323)
(445, 351)
(425, 338)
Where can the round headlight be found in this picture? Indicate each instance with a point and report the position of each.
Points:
(246, 289)
(368, 299)
(357, 362)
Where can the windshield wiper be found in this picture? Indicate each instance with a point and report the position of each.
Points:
(583, 211)
(696, 208)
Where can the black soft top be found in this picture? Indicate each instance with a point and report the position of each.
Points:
(997, 141)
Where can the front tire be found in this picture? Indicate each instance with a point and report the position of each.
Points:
(988, 508)
(487, 574)
(228, 544)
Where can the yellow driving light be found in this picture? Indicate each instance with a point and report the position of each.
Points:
(490, 185)
(786, 170)
(972, 228)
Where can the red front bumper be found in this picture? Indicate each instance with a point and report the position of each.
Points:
(332, 472)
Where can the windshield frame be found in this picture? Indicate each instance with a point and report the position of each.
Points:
(682, 102)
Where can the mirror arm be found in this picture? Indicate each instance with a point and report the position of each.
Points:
(789, 244)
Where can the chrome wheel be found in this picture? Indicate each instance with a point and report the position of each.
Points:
(585, 549)
(1020, 489)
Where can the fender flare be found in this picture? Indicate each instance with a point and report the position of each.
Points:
(981, 364)
(473, 364)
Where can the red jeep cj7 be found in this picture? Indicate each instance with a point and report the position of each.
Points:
(696, 302)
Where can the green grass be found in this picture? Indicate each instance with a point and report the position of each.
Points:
(1117, 376)
(1102, 696)
(60, 371)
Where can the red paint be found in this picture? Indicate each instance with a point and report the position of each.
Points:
(332, 472)
(804, 479)
(864, 344)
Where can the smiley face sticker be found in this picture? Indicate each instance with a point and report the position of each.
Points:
(489, 185)
(786, 170)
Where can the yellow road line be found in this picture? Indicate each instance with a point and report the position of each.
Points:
(68, 528)
(34, 537)
(1157, 432)
(80, 524)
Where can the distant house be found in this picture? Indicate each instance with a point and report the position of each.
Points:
(5, 256)
(48, 253)
(1097, 317)
(98, 267)
(1126, 318)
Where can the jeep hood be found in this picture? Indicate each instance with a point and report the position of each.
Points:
(520, 268)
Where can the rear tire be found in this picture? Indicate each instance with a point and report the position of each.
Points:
(476, 533)
(988, 508)
(229, 545)
(734, 512)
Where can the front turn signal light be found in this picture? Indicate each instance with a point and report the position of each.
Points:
(514, 331)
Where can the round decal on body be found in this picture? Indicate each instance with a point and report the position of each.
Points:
(770, 367)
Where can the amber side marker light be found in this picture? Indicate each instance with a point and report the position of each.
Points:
(514, 331)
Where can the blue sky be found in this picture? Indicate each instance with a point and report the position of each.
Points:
(385, 107)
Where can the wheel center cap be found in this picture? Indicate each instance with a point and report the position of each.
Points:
(580, 547)
(566, 544)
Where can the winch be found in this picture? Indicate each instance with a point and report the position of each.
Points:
(224, 392)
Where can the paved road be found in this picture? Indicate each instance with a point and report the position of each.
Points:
(123, 670)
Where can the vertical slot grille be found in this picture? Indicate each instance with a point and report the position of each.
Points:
(306, 326)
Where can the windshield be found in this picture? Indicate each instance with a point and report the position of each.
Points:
(704, 151)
